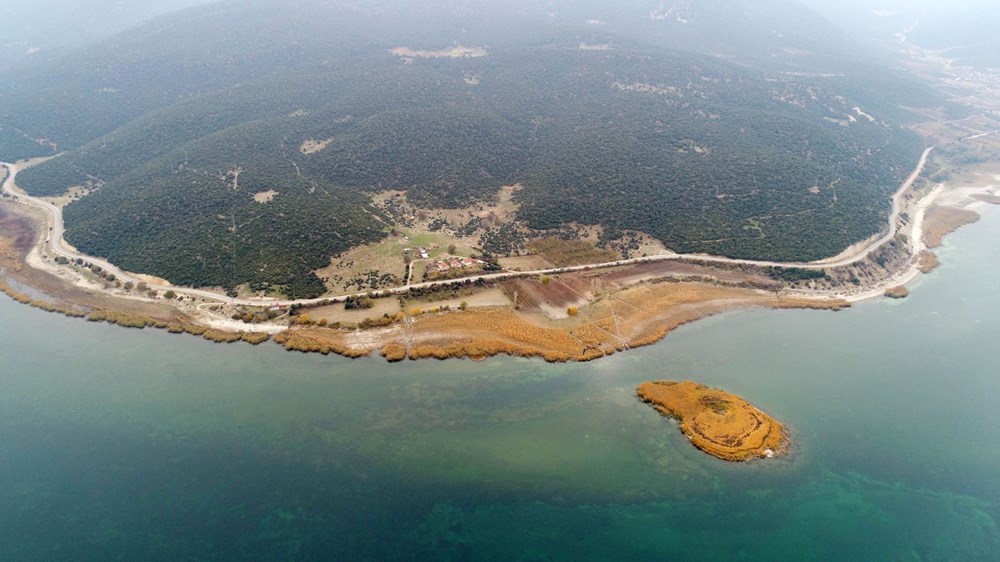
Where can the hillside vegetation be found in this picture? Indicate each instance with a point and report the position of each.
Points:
(769, 141)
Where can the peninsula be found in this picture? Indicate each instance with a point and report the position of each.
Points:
(555, 310)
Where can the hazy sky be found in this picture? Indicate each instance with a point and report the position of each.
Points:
(32, 25)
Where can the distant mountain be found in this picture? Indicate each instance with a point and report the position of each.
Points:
(733, 127)
(39, 29)
(965, 30)
(738, 29)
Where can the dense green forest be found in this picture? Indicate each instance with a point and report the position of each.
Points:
(710, 144)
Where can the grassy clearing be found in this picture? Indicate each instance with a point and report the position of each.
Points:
(564, 253)
(336, 312)
(414, 231)
(386, 257)
(525, 263)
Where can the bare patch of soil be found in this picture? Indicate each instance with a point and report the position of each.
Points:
(455, 52)
(265, 196)
(549, 295)
(631, 275)
(525, 263)
(313, 146)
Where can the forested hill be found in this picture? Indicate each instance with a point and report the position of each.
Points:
(768, 141)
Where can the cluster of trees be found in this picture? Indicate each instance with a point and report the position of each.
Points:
(794, 274)
(373, 279)
(505, 240)
(358, 302)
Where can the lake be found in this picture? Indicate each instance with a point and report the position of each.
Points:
(121, 444)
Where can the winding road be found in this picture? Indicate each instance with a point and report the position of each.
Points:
(57, 246)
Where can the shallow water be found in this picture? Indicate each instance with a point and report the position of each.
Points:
(31, 292)
(127, 444)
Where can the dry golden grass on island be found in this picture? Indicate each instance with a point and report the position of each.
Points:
(717, 422)
(927, 262)
(899, 292)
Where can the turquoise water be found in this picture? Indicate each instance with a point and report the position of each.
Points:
(142, 445)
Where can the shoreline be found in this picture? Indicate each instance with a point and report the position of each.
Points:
(443, 334)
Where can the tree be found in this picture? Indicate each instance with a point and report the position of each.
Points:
(452, 249)
(169, 295)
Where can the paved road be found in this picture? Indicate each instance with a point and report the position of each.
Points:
(57, 246)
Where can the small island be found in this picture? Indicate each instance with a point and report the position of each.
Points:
(720, 424)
